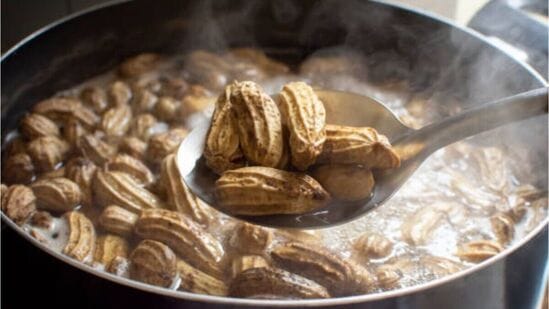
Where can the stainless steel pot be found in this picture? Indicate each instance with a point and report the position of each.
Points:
(431, 53)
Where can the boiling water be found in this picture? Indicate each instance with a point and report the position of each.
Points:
(446, 203)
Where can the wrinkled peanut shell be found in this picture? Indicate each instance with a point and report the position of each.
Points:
(266, 191)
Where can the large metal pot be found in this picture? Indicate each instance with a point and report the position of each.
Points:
(431, 53)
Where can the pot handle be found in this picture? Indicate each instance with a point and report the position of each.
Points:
(516, 28)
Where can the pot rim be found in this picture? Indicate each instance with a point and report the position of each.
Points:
(414, 10)
(278, 303)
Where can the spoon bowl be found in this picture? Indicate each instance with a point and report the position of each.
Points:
(413, 146)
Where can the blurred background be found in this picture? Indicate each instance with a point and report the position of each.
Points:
(510, 23)
(22, 17)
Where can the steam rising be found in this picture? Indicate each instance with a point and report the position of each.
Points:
(420, 68)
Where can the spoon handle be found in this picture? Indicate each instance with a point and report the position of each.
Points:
(477, 120)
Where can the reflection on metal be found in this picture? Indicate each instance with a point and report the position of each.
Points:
(351, 109)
